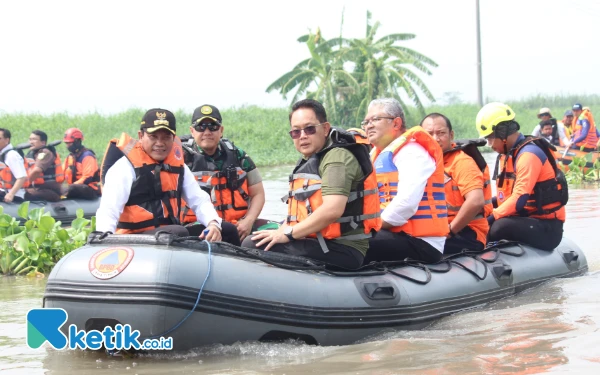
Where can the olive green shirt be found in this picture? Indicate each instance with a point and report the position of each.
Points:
(341, 173)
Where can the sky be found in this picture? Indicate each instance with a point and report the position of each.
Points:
(108, 56)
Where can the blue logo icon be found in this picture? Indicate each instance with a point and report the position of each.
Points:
(44, 325)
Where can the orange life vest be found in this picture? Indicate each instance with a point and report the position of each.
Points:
(454, 200)
(7, 179)
(362, 209)
(592, 138)
(547, 197)
(74, 169)
(227, 187)
(53, 173)
(155, 198)
(431, 218)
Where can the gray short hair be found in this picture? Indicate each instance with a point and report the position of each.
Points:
(391, 107)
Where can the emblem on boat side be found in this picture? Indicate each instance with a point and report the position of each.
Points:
(108, 263)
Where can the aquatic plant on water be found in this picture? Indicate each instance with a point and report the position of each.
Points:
(34, 248)
(578, 173)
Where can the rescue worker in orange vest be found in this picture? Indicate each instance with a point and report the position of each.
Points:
(410, 176)
(46, 173)
(145, 180)
(81, 168)
(333, 206)
(467, 186)
(13, 170)
(225, 172)
(531, 190)
(585, 133)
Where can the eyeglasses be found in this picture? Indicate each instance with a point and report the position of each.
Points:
(213, 127)
(373, 121)
(309, 130)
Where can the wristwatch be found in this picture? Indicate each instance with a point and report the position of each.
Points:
(288, 233)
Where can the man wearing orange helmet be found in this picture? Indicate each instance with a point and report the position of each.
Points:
(81, 168)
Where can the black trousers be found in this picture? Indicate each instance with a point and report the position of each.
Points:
(80, 191)
(339, 255)
(49, 192)
(390, 246)
(229, 232)
(177, 230)
(465, 239)
(540, 233)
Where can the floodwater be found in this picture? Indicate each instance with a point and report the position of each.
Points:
(553, 328)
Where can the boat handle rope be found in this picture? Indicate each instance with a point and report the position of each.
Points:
(197, 299)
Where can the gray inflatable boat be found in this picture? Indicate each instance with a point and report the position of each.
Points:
(64, 210)
(154, 282)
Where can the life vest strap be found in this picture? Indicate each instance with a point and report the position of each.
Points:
(302, 194)
(354, 195)
(304, 176)
(154, 222)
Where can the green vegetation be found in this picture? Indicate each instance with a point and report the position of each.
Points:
(262, 132)
(346, 74)
(34, 247)
(577, 172)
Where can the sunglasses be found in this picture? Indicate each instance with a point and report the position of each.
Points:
(213, 127)
(309, 130)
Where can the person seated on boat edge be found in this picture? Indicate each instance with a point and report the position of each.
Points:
(531, 190)
(13, 170)
(410, 176)
(46, 172)
(81, 168)
(333, 206)
(467, 187)
(585, 133)
(568, 128)
(558, 128)
(225, 172)
(145, 180)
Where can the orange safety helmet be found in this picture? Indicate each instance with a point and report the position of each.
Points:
(72, 134)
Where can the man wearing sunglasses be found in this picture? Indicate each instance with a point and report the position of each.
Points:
(333, 208)
(145, 181)
(410, 175)
(226, 172)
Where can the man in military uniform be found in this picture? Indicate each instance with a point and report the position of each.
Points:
(225, 171)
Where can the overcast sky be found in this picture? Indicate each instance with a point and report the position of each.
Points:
(107, 56)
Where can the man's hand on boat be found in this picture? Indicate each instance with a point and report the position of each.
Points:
(214, 232)
(270, 237)
(244, 227)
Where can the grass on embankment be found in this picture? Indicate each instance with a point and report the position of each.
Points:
(262, 132)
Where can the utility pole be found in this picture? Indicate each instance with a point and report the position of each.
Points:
(479, 83)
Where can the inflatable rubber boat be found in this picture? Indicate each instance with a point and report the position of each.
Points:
(64, 210)
(201, 294)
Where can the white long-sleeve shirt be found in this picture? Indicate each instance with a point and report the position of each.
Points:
(15, 163)
(415, 166)
(117, 188)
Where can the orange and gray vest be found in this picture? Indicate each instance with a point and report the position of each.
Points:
(431, 218)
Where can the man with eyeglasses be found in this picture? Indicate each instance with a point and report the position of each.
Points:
(410, 175)
(467, 186)
(333, 206)
(531, 190)
(145, 181)
(227, 173)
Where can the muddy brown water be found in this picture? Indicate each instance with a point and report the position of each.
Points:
(553, 328)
